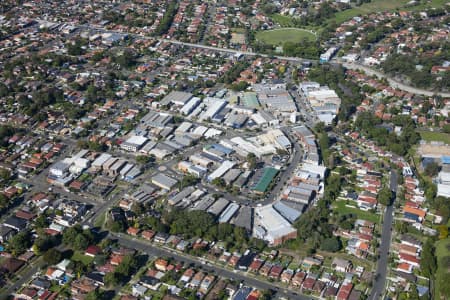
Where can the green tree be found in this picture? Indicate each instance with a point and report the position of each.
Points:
(41, 221)
(5, 174)
(112, 279)
(96, 294)
(3, 90)
(142, 159)
(331, 244)
(127, 266)
(138, 208)
(241, 86)
(413, 294)
(444, 279)
(432, 169)
(189, 180)
(266, 295)
(219, 182)
(52, 256)
(80, 242)
(167, 19)
(19, 243)
(44, 242)
(443, 232)
(251, 160)
(446, 128)
(70, 234)
(92, 93)
(116, 226)
(401, 227)
(428, 259)
(75, 48)
(4, 201)
(385, 196)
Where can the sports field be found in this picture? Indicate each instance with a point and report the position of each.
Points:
(282, 35)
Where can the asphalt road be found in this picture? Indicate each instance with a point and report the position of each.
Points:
(192, 45)
(29, 272)
(393, 181)
(217, 270)
(287, 173)
(380, 278)
(392, 82)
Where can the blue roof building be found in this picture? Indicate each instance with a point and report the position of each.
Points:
(445, 160)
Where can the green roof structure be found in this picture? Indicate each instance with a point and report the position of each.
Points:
(265, 180)
(250, 100)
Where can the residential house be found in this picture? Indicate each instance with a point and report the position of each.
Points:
(341, 265)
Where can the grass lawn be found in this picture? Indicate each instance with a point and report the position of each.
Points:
(100, 220)
(284, 21)
(79, 256)
(238, 30)
(441, 252)
(383, 5)
(366, 264)
(341, 208)
(282, 35)
(435, 136)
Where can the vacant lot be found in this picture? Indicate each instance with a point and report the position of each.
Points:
(430, 136)
(280, 36)
(79, 256)
(342, 208)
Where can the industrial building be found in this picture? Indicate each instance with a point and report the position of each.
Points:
(323, 101)
(218, 206)
(213, 107)
(272, 227)
(59, 169)
(189, 107)
(134, 143)
(204, 203)
(176, 98)
(220, 171)
(264, 181)
(275, 97)
(98, 163)
(243, 218)
(228, 213)
(181, 195)
(287, 212)
(154, 119)
(163, 181)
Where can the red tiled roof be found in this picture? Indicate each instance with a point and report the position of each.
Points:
(93, 250)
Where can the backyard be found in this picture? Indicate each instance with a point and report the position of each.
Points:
(342, 208)
(79, 256)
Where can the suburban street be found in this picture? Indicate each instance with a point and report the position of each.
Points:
(148, 248)
(352, 66)
(28, 272)
(296, 155)
(380, 278)
(38, 183)
(394, 83)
